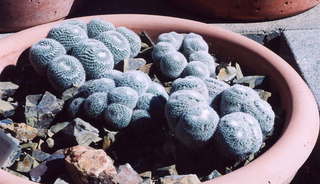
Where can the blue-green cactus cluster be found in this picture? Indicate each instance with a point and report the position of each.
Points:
(191, 83)
(43, 52)
(173, 51)
(95, 86)
(68, 35)
(95, 104)
(133, 38)
(97, 26)
(65, 72)
(175, 39)
(94, 57)
(114, 101)
(238, 135)
(136, 80)
(98, 45)
(240, 98)
(172, 64)
(79, 23)
(197, 69)
(196, 128)
(205, 58)
(117, 44)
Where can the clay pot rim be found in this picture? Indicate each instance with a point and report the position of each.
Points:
(304, 108)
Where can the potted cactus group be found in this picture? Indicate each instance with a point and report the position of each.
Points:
(182, 92)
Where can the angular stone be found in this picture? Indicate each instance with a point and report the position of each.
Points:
(69, 93)
(58, 127)
(49, 169)
(108, 139)
(6, 121)
(165, 171)
(7, 89)
(133, 64)
(181, 179)
(7, 109)
(89, 166)
(251, 81)
(50, 142)
(81, 132)
(21, 131)
(147, 174)
(10, 149)
(25, 165)
(63, 179)
(213, 174)
(40, 155)
(41, 111)
(301, 49)
(127, 175)
(227, 73)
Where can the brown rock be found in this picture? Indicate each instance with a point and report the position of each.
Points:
(89, 166)
(181, 179)
(21, 131)
(127, 175)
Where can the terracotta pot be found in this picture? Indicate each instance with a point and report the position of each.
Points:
(248, 9)
(278, 164)
(16, 15)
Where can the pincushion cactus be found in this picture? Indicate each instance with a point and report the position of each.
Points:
(191, 83)
(180, 102)
(97, 26)
(68, 35)
(197, 69)
(157, 89)
(240, 98)
(94, 56)
(193, 43)
(152, 103)
(79, 23)
(136, 80)
(197, 126)
(43, 52)
(65, 72)
(238, 135)
(111, 74)
(205, 58)
(123, 95)
(263, 112)
(95, 104)
(117, 44)
(74, 107)
(172, 64)
(161, 49)
(234, 98)
(175, 39)
(117, 116)
(215, 88)
(94, 86)
(133, 38)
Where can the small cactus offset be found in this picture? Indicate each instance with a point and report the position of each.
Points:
(117, 44)
(238, 135)
(133, 38)
(94, 57)
(68, 35)
(43, 52)
(97, 26)
(65, 72)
